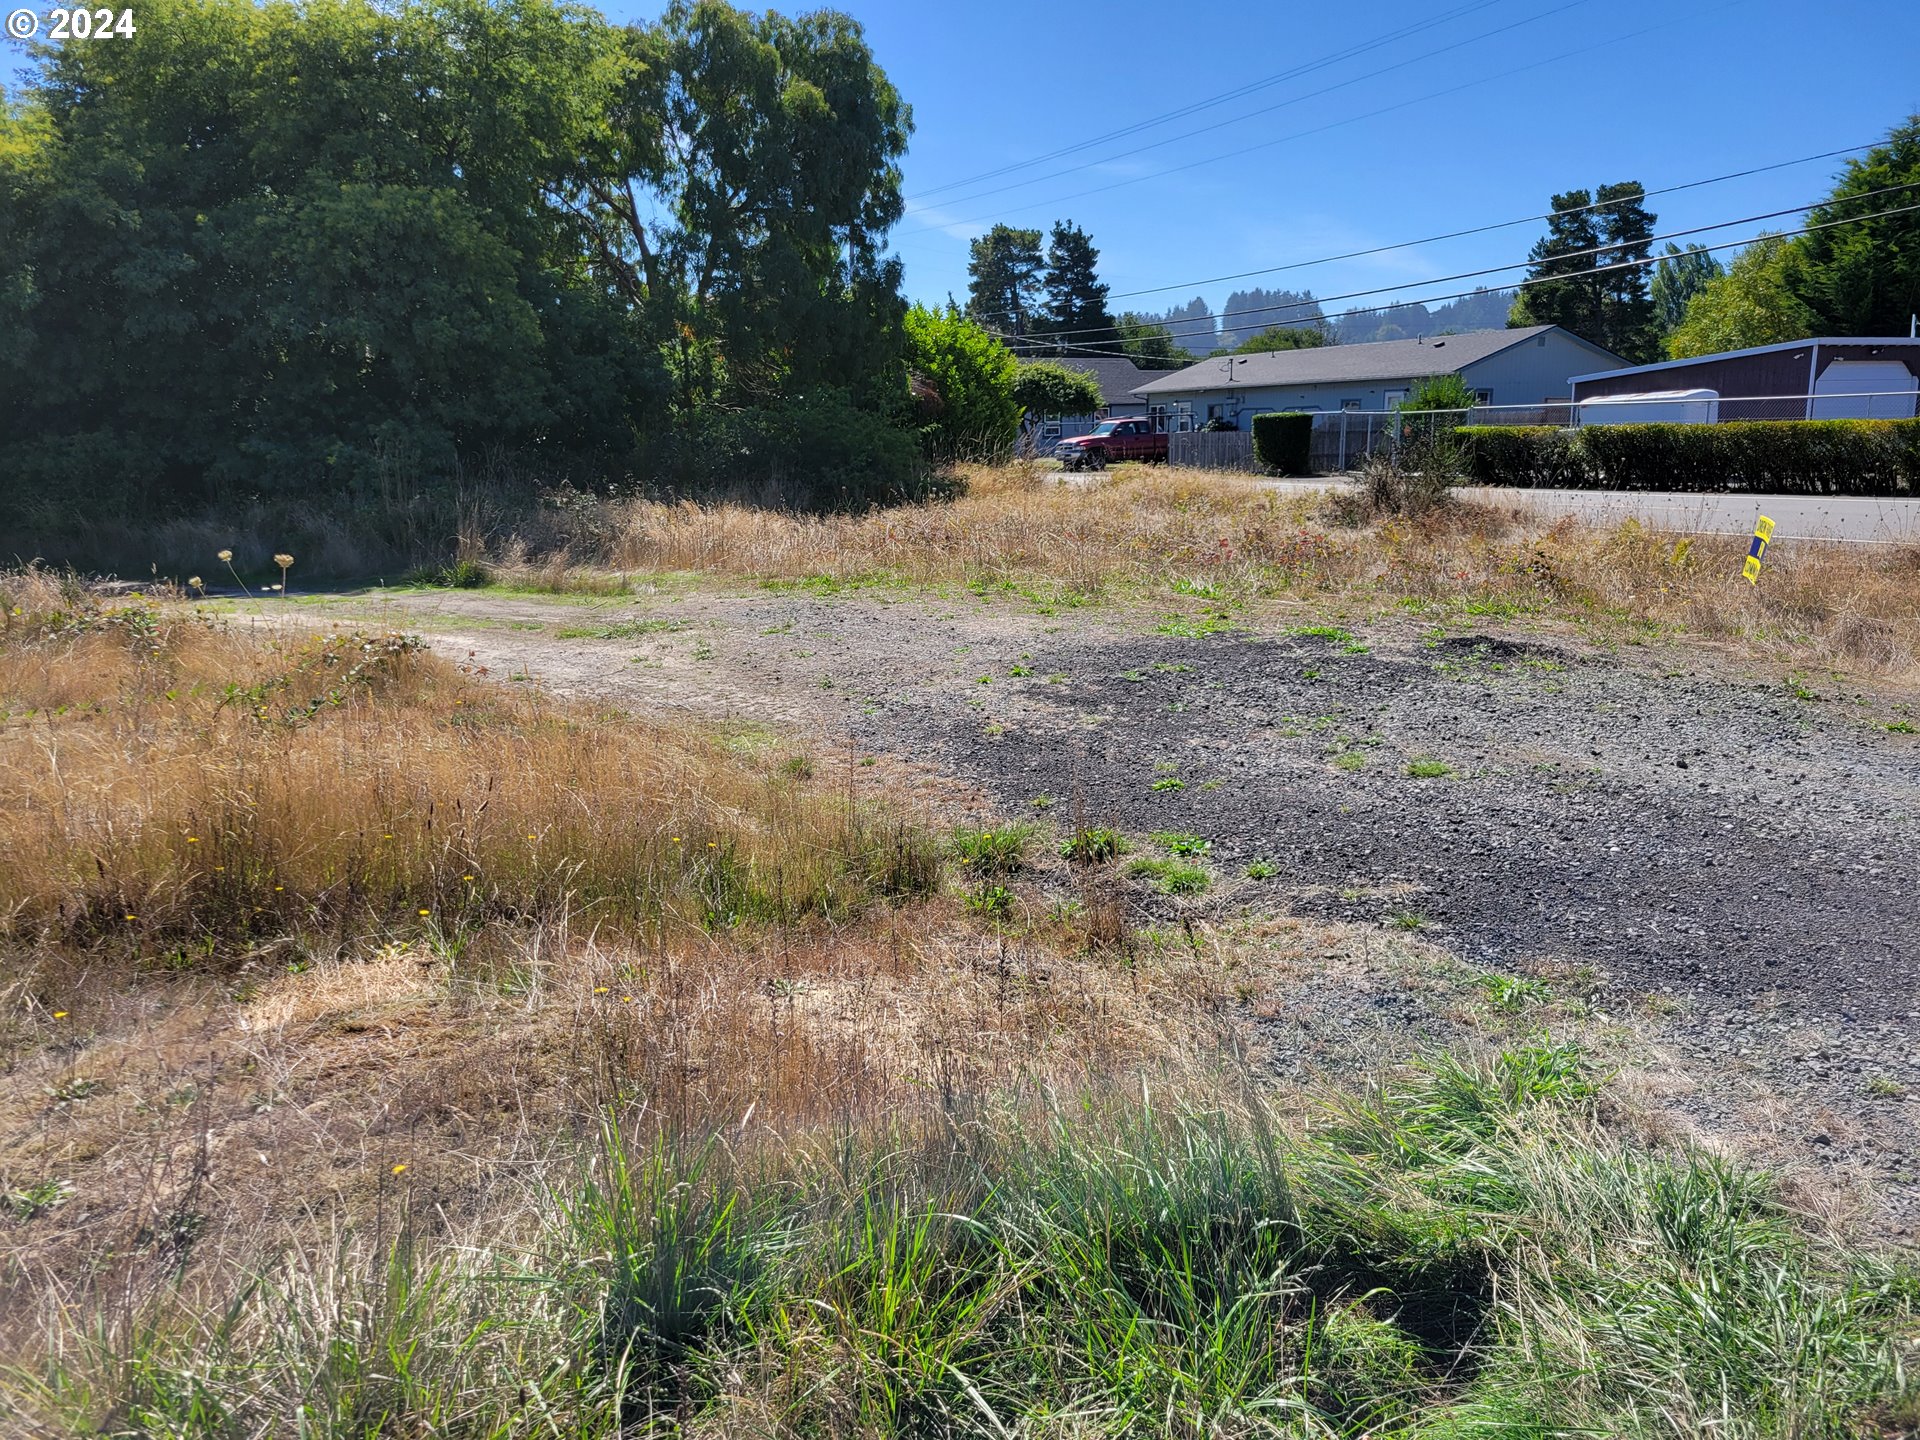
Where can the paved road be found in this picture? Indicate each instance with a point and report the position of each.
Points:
(1797, 517)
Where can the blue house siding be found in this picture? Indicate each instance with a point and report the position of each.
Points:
(1528, 370)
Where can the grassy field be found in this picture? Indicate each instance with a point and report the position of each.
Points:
(391, 1050)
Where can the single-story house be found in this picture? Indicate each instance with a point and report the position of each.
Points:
(1823, 379)
(1524, 367)
(1116, 375)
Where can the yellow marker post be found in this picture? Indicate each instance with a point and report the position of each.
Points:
(1762, 537)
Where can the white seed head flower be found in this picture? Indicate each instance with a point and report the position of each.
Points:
(283, 561)
(226, 557)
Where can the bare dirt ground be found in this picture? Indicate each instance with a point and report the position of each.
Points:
(1730, 860)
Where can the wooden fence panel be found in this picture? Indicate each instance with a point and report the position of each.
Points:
(1212, 450)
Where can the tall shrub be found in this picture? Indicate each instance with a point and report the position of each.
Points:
(1047, 387)
(1283, 441)
(974, 414)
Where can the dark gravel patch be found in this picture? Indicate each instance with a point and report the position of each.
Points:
(1748, 859)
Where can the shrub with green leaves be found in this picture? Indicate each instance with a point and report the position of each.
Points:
(1283, 441)
(968, 378)
(1047, 387)
(1782, 457)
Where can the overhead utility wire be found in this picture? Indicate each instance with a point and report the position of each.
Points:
(1097, 348)
(1225, 97)
(1516, 265)
(1475, 230)
(1316, 130)
(1244, 116)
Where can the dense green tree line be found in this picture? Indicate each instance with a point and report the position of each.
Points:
(280, 246)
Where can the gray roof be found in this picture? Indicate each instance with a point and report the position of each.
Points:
(1116, 375)
(1350, 364)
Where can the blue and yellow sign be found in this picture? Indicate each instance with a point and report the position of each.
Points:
(1762, 535)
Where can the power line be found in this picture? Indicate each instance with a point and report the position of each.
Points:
(1368, 78)
(1116, 347)
(1475, 230)
(1211, 102)
(1517, 265)
(1319, 129)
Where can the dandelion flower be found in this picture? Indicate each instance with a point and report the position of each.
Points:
(466, 877)
(59, 1014)
(426, 912)
(626, 999)
(599, 989)
(400, 1168)
(193, 839)
(133, 917)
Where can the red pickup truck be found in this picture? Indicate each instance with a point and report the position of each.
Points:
(1112, 441)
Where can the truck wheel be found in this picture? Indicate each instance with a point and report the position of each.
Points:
(1096, 461)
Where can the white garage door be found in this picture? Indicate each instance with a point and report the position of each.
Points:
(1865, 390)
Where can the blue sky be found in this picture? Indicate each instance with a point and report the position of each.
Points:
(1474, 119)
(1660, 91)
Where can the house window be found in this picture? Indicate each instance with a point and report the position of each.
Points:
(1483, 397)
(1349, 404)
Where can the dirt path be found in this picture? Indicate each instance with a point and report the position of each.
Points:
(1739, 856)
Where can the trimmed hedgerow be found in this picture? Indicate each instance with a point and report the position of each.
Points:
(1283, 441)
(1779, 457)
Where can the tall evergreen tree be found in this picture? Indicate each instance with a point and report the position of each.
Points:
(1003, 282)
(1677, 278)
(1625, 226)
(1561, 288)
(1076, 300)
(1863, 277)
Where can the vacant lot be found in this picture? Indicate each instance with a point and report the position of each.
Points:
(1729, 848)
(841, 999)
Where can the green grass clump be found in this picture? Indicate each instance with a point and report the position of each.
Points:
(1262, 869)
(1168, 782)
(1172, 877)
(625, 630)
(1092, 844)
(1181, 843)
(464, 574)
(1463, 1250)
(1001, 850)
(1424, 769)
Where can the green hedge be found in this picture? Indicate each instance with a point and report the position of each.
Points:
(1774, 457)
(1283, 441)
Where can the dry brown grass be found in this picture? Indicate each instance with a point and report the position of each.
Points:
(225, 1021)
(1147, 533)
